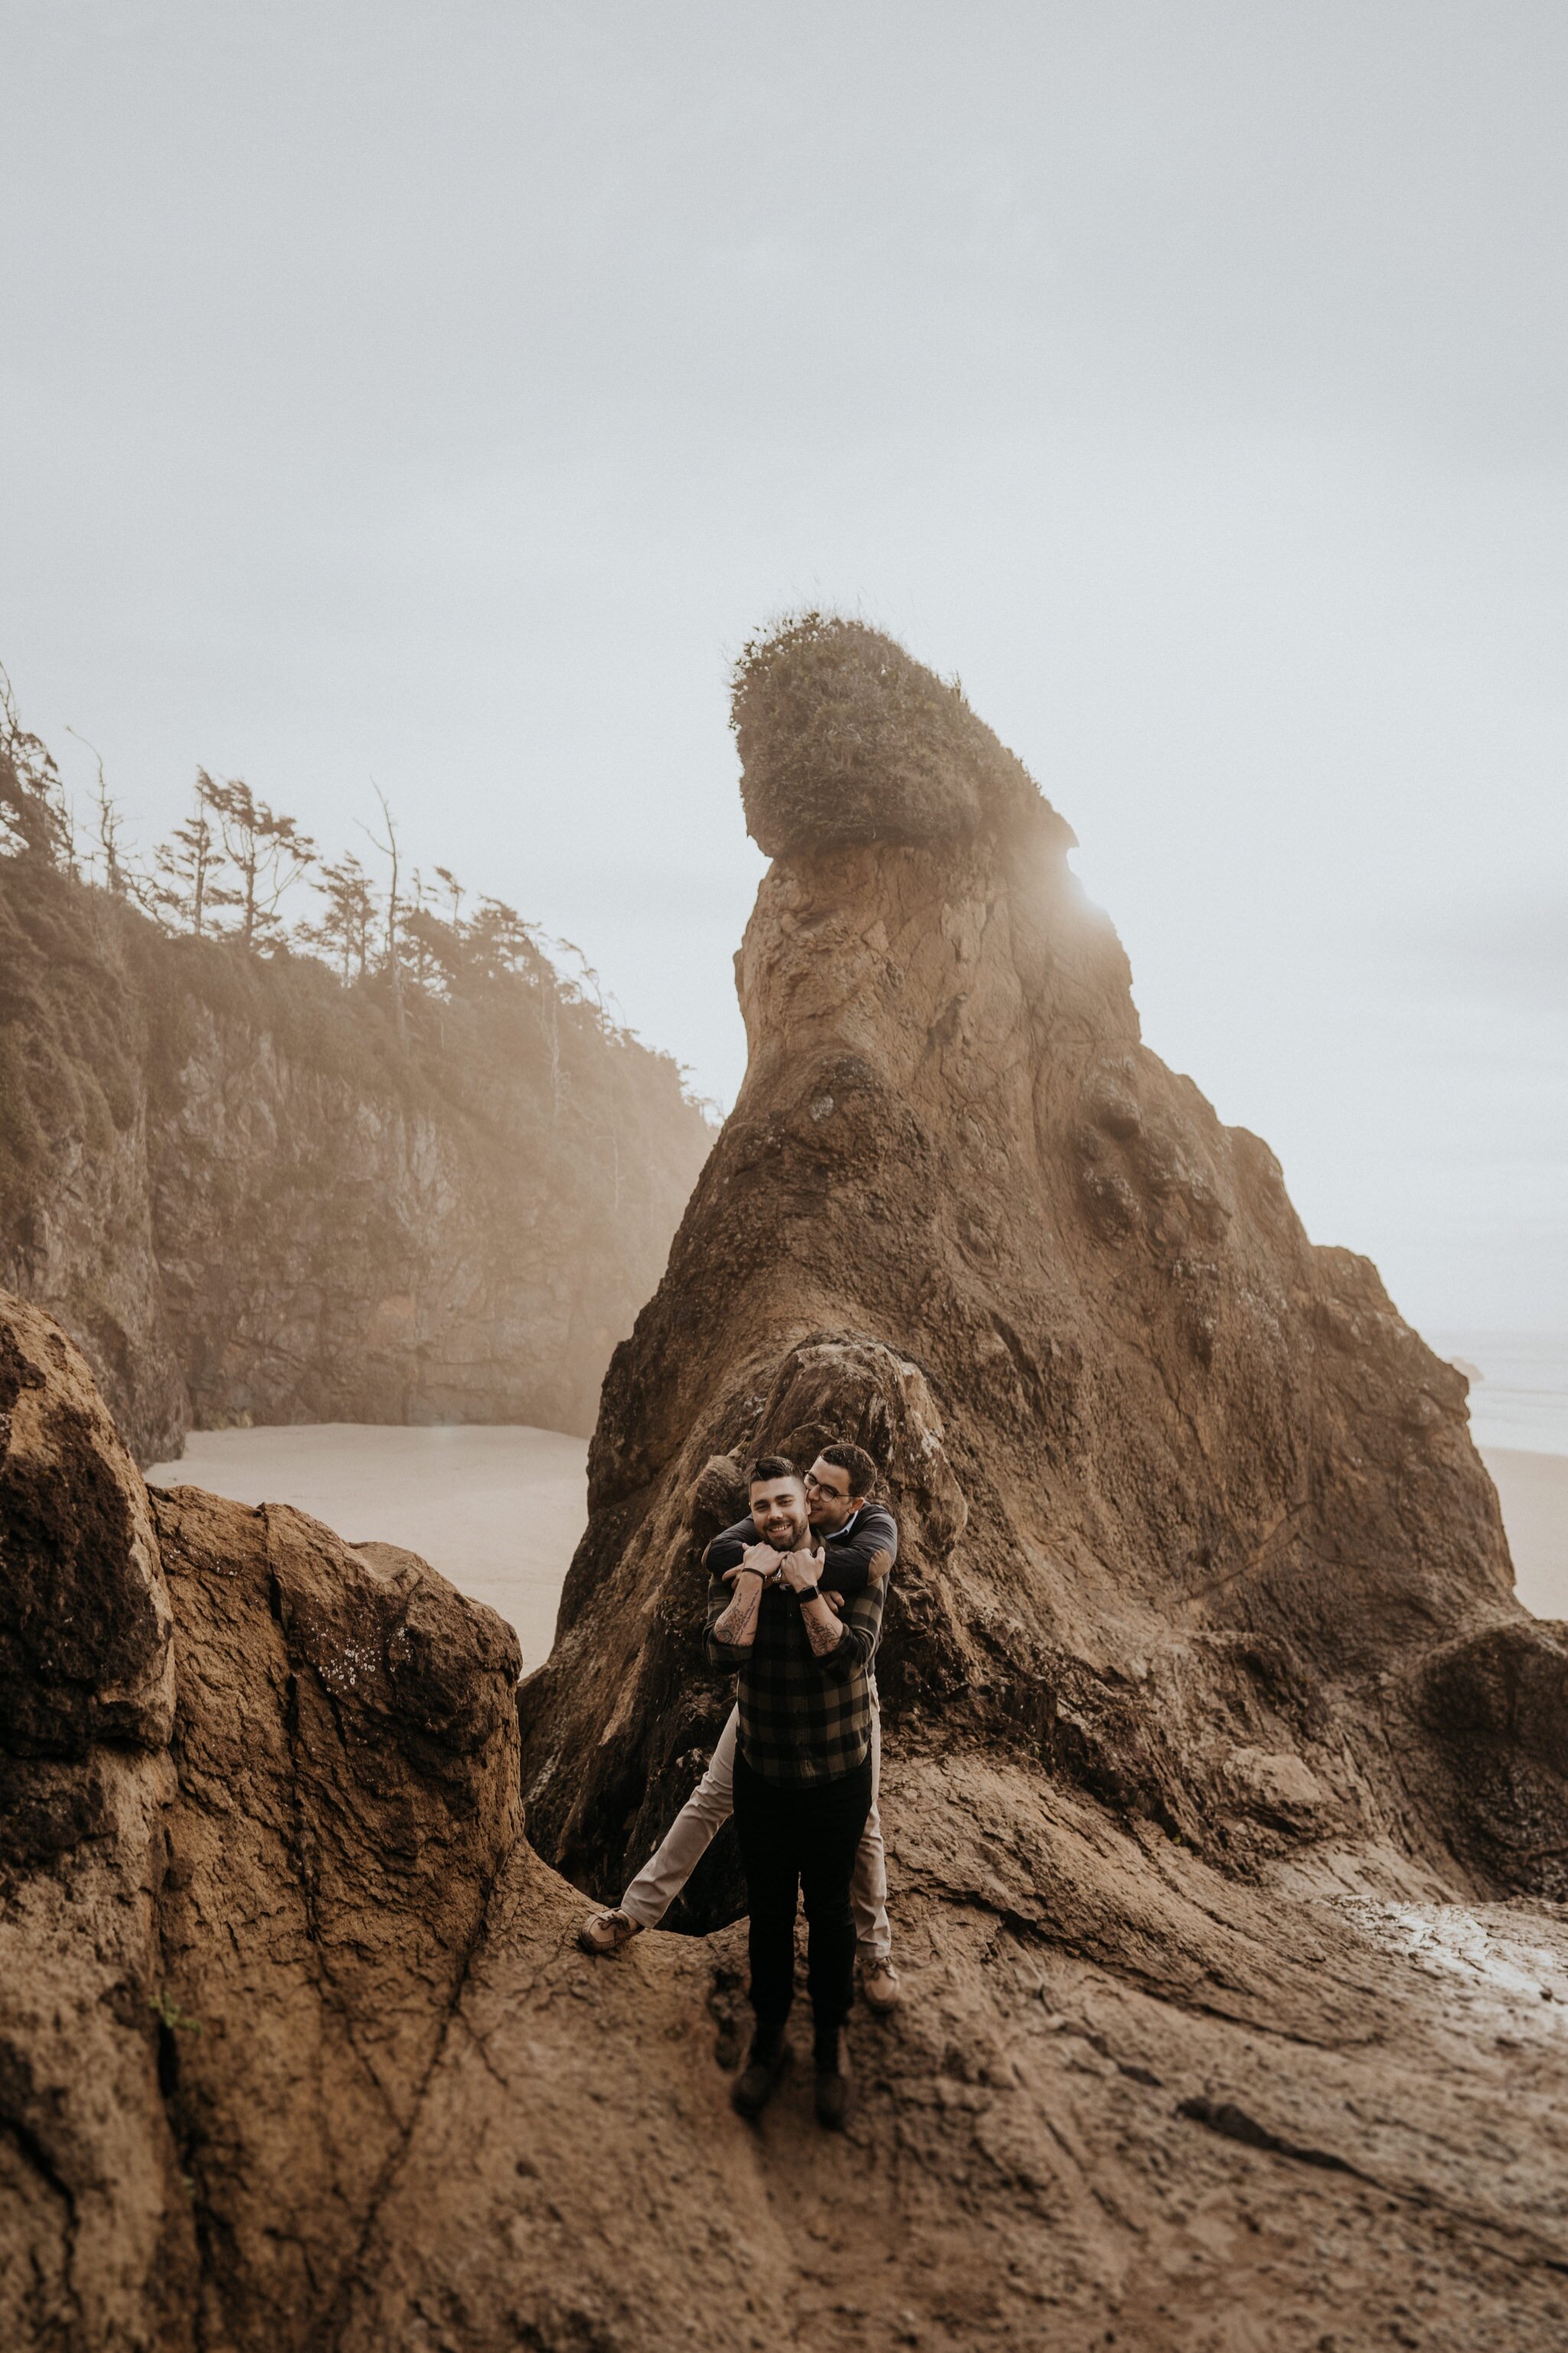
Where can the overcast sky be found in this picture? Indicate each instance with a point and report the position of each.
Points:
(441, 392)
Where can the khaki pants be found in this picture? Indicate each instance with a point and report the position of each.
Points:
(709, 1806)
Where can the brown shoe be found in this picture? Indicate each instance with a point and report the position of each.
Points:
(759, 2079)
(882, 1987)
(834, 2092)
(606, 1932)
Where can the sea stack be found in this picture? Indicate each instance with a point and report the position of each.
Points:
(1194, 1524)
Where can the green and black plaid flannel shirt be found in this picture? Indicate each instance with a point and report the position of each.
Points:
(803, 1719)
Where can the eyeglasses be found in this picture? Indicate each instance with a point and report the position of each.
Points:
(839, 1494)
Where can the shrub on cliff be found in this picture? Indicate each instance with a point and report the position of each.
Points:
(845, 738)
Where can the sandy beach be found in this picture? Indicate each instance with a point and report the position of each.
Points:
(499, 1511)
(1533, 1492)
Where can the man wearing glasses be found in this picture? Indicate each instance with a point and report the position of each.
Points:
(860, 1541)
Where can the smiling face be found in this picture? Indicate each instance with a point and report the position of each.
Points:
(778, 1512)
(829, 1502)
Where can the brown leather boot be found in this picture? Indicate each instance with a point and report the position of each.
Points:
(882, 1987)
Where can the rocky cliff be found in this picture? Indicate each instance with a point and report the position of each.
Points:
(253, 1193)
(254, 1791)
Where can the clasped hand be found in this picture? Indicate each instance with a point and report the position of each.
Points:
(796, 1571)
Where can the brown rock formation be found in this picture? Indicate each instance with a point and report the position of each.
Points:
(93, 2222)
(1215, 1739)
(1204, 1587)
(1194, 1522)
(240, 1892)
(296, 2050)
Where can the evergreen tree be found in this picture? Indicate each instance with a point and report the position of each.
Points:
(265, 851)
(190, 867)
(33, 813)
(350, 917)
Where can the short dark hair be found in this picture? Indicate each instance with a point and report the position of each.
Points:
(862, 1470)
(771, 1466)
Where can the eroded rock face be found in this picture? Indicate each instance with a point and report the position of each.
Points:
(1213, 1724)
(95, 2228)
(1129, 2101)
(345, 1754)
(296, 2050)
(85, 1629)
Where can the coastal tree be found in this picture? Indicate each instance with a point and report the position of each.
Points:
(188, 869)
(454, 894)
(389, 849)
(349, 918)
(108, 861)
(265, 851)
(33, 814)
(420, 946)
(435, 947)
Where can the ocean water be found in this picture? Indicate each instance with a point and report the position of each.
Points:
(1522, 1398)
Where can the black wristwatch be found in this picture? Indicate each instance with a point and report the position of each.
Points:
(806, 1593)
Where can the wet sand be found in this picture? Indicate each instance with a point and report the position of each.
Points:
(499, 1511)
(1533, 1492)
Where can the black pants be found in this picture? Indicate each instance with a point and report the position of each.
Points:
(801, 1841)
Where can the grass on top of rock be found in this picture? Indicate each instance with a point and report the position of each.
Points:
(846, 738)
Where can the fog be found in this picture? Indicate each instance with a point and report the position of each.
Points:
(441, 394)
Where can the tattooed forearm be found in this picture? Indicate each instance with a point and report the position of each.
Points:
(738, 1625)
(823, 1631)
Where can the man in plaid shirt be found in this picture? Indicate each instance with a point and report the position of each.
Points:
(803, 1773)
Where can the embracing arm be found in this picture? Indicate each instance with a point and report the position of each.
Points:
(863, 1559)
(860, 1629)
